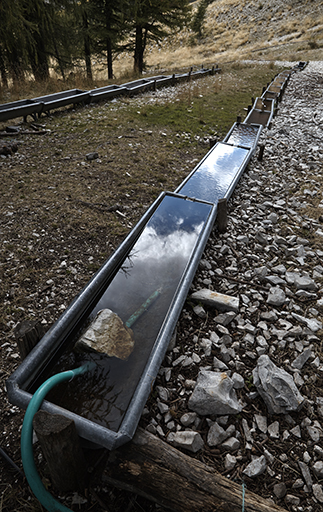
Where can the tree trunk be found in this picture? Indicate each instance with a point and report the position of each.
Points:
(39, 61)
(3, 72)
(16, 69)
(152, 468)
(87, 46)
(108, 15)
(139, 51)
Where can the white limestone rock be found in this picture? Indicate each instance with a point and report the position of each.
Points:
(216, 300)
(276, 387)
(187, 440)
(214, 394)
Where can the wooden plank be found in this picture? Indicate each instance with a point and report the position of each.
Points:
(152, 468)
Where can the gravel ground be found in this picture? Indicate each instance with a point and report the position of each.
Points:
(275, 232)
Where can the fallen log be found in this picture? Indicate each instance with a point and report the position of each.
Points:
(155, 470)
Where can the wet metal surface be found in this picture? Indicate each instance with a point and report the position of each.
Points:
(243, 135)
(104, 93)
(214, 178)
(158, 261)
(259, 117)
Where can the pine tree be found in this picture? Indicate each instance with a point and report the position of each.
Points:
(153, 20)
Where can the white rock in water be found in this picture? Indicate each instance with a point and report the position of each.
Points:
(216, 300)
(276, 387)
(214, 394)
(108, 334)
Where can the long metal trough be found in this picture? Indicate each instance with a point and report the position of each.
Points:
(21, 108)
(44, 104)
(157, 259)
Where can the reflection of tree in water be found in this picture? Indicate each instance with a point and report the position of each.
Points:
(126, 267)
(158, 261)
(91, 395)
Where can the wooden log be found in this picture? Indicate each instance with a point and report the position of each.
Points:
(27, 334)
(151, 468)
(62, 450)
(222, 216)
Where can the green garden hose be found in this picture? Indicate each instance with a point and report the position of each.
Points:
(33, 478)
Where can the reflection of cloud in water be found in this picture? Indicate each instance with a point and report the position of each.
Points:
(213, 178)
(177, 244)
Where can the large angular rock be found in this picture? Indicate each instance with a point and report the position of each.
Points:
(108, 334)
(276, 387)
(214, 394)
(311, 323)
(216, 300)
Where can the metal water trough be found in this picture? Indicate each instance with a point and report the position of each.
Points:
(21, 108)
(177, 225)
(217, 174)
(106, 93)
(162, 252)
(138, 86)
(244, 135)
(262, 112)
(63, 98)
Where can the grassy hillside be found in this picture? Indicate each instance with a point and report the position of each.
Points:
(235, 29)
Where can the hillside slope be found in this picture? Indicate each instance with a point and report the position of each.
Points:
(235, 29)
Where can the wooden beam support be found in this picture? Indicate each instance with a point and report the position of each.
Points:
(27, 334)
(152, 468)
(62, 450)
(222, 215)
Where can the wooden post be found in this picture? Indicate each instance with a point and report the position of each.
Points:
(222, 216)
(27, 334)
(62, 450)
(212, 143)
(154, 469)
(261, 152)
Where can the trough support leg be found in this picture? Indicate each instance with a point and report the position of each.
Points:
(62, 450)
(222, 215)
(27, 334)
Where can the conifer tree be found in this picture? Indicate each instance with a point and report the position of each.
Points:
(153, 20)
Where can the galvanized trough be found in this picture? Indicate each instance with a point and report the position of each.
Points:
(106, 93)
(160, 254)
(21, 108)
(62, 99)
(145, 283)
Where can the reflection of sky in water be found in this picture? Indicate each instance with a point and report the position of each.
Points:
(213, 178)
(152, 247)
(157, 261)
(243, 135)
(159, 257)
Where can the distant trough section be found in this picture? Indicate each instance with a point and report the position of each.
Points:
(44, 104)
